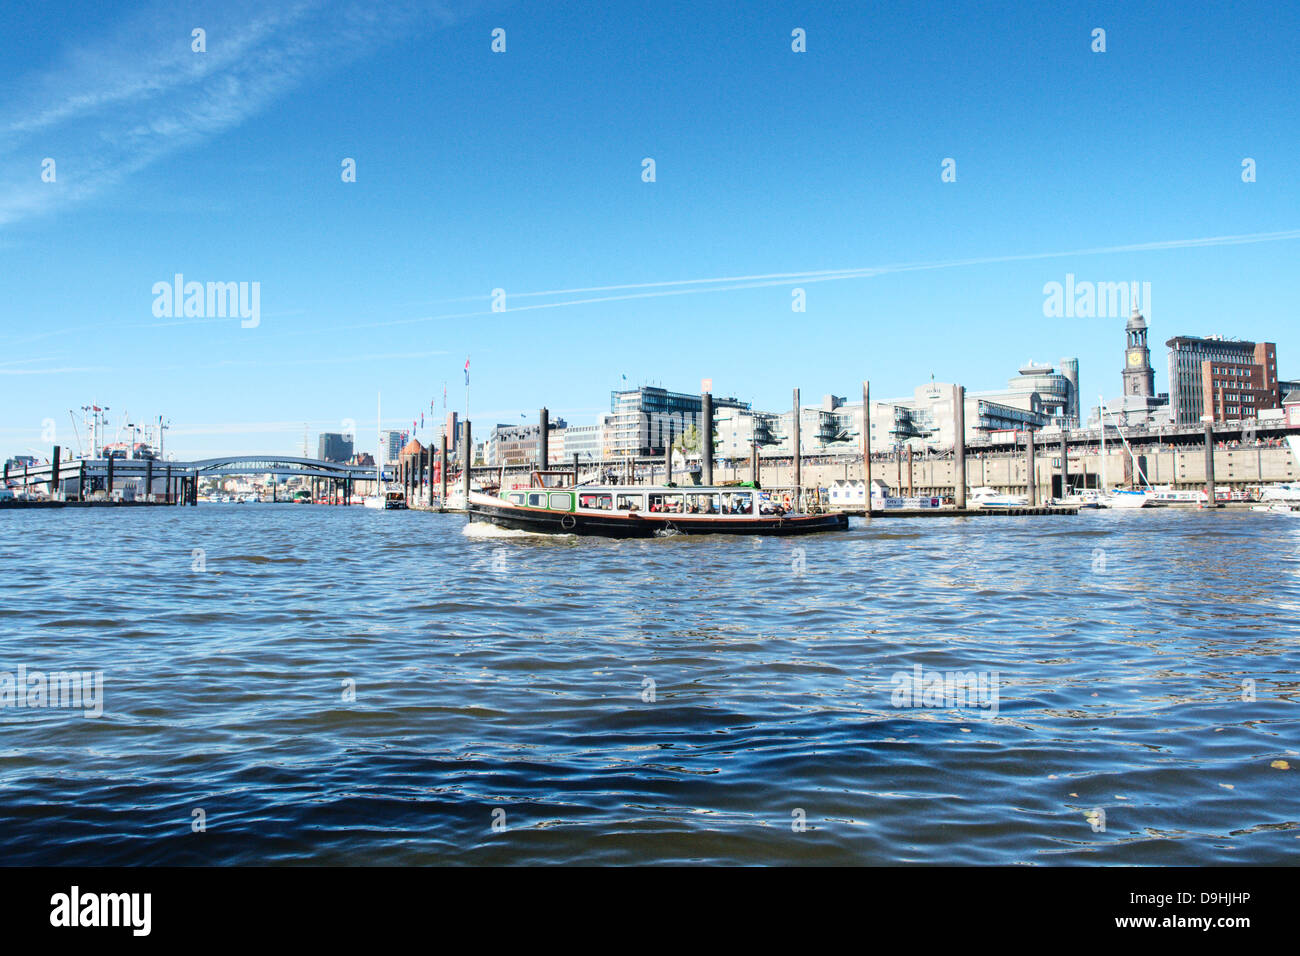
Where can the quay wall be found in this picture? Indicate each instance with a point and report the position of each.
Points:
(1183, 468)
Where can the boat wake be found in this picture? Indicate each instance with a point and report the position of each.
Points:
(482, 529)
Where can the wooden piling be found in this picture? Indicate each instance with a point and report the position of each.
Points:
(468, 455)
(108, 480)
(54, 471)
(1211, 500)
(706, 438)
(1065, 464)
(959, 445)
(1031, 479)
(910, 493)
(442, 474)
(544, 437)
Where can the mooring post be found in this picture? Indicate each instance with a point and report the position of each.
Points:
(866, 448)
(706, 437)
(959, 445)
(108, 480)
(81, 480)
(1031, 479)
(909, 472)
(54, 471)
(575, 471)
(442, 474)
(1065, 464)
(167, 494)
(668, 457)
(1211, 500)
(469, 458)
(753, 462)
(148, 479)
(543, 437)
(798, 458)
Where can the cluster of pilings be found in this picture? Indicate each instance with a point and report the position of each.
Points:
(178, 489)
(1036, 495)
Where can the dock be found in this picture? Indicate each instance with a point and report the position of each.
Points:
(961, 512)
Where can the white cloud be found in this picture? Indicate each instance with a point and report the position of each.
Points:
(105, 110)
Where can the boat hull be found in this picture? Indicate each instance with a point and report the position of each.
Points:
(648, 526)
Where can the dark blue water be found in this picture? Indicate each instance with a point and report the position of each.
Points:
(510, 674)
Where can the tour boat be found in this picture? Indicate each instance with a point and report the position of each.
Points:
(643, 511)
(1166, 495)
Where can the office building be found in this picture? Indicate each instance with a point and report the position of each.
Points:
(1226, 379)
(333, 446)
(643, 420)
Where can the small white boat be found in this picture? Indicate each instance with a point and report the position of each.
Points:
(991, 498)
(1284, 492)
(1083, 498)
(1277, 509)
(390, 500)
(1124, 499)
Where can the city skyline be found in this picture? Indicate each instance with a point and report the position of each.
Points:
(820, 181)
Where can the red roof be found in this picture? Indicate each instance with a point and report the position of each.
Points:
(411, 448)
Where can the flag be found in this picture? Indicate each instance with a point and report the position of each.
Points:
(421, 419)
(467, 371)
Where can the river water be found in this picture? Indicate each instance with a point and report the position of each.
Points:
(298, 684)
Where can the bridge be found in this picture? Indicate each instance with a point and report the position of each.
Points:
(83, 477)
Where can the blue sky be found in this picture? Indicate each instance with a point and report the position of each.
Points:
(523, 171)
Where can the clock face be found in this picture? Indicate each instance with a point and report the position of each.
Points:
(1134, 359)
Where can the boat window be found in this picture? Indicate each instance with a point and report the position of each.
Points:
(517, 499)
(738, 503)
(562, 502)
(604, 502)
(670, 504)
(702, 504)
(631, 503)
(537, 501)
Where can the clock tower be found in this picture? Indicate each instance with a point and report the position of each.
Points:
(1139, 377)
